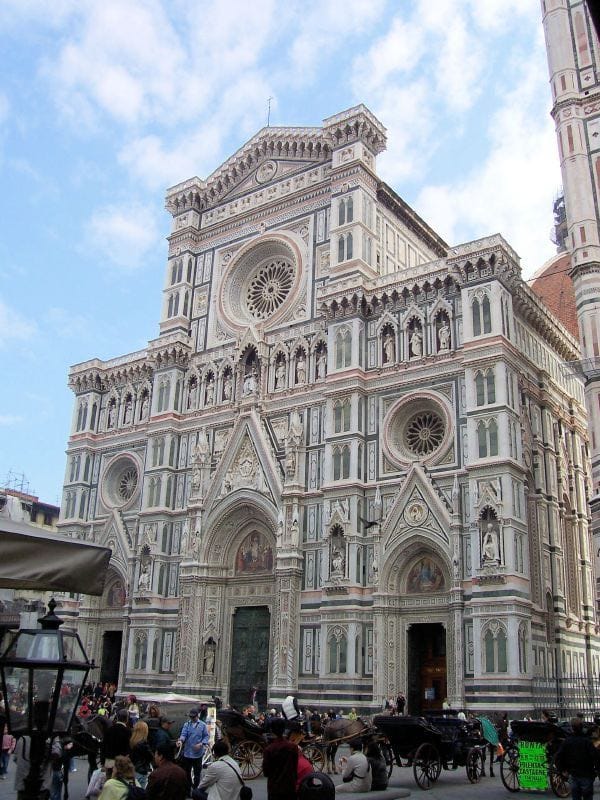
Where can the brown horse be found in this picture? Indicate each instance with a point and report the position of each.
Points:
(337, 732)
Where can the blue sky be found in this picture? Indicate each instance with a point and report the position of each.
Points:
(106, 103)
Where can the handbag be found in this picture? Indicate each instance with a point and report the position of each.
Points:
(245, 791)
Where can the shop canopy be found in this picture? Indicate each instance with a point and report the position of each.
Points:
(33, 559)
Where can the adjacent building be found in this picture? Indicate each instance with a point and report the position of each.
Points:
(351, 463)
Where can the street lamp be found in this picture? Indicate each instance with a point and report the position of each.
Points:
(43, 673)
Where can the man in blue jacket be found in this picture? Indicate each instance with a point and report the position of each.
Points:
(194, 738)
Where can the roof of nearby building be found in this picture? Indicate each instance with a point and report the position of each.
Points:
(553, 285)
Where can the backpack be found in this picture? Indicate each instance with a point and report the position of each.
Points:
(134, 792)
(316, 786)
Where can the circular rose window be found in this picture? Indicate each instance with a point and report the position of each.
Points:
(269, 287)
(261, 282)
(120, 482)
(424, 433)
(417, 428)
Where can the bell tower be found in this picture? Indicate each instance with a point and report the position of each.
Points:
(574, 65)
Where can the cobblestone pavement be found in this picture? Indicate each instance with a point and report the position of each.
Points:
(451, 786)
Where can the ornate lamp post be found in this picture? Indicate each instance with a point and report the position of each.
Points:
(43, 673)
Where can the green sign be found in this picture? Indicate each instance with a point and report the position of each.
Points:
(533, 766)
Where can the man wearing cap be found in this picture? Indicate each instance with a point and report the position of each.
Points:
(162, 735)
(194, 738)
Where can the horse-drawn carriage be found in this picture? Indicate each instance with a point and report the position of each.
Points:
(529, 761)
(430, 744)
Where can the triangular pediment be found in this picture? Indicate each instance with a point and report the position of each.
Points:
(116, 536)
(248, 463)
(417, 507)
(266, 173)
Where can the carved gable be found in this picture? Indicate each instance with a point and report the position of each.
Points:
(418, 506)
(248, 463)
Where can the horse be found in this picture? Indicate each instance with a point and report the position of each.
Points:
(337, 731)
(87, 736)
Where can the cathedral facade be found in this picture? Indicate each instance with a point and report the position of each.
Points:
(351, 463)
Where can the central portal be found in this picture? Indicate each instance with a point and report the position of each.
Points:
(250, 656)
(426, 668)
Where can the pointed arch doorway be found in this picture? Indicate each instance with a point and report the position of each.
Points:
(427, 667)
(250, 656)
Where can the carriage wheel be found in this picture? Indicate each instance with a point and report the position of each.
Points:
(427, 765)
(558, 783)
(388, 755)
(315, 755)
(474, 765)
(509, 769)
(249, 757)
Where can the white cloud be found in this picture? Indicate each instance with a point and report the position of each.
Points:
(512, 190)
(124, 235)
(14, 327)
(8, 420)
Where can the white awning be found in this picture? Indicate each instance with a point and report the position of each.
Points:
(33, 559)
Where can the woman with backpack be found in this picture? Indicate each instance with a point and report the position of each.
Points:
(141, 753)
(121, 785)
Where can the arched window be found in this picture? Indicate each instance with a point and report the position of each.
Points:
(165, 538)
(186, 300)
(161, 450)
(491, 386)
(476, 312)
(86, 469)
(170, 305)
(487, 317)
(482, 439)
(495, 658)
(360, 462)
(172, 451)
(480, 389)
(341, 248)
(179, 271)
(337, 464)
(169, 492)
(338, 653)
(174, 273)
(343, 348)
(94, 415)
(82, 504)
(345, 247)
(345, 462)
(176, 304)
(189, 271)
(177, 394)
(341, 415)
(342, 212)
(349, 209)
(493, 438)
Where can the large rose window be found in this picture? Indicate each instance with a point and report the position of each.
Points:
(424, 433)
(261, 282)
(269, 287)
(120, 482)
(417, 428)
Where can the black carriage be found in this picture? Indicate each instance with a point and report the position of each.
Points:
(430, 744)
(247, 741)
(548, 737)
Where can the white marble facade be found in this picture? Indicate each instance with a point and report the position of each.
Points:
(348, 423)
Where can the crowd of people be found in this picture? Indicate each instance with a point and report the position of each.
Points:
(143, 758)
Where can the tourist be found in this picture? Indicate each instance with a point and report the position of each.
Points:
(356, 772)
(280, 764)
(116, 741)
(117, 786)
(167, 781)
(580, 759)
(8, 747)
(162, 735)
(222, 779)
(194, 738)
(379, 770)
(141, 753)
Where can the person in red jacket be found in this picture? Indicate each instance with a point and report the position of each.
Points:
(280, 764)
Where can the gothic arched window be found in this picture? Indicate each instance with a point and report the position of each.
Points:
(343, 348)
(495, 649)
(338, 653)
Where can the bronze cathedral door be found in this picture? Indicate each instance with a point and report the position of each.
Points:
(249, 656)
